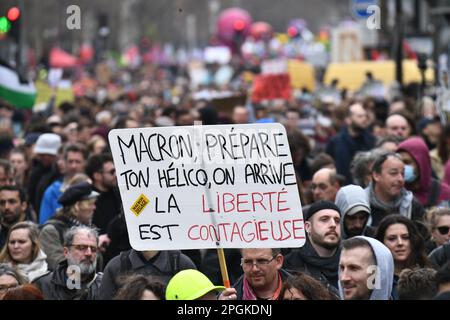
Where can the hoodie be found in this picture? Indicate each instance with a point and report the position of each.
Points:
(349, 197)
(385, 263)
(418, 150)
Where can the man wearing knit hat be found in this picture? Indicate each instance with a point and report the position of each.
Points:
(319, 257)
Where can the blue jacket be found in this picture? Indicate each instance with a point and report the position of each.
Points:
(50, 203)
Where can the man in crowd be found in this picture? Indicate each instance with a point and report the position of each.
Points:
(354, 205)
(75, 156)
(398, 126)
(263, 276)
(100, 168)
(319, 257)
(45, 149)
(75, 278)
(386, 192)
(13, 209)
(366, 270)
(351, 139)
(325, 184)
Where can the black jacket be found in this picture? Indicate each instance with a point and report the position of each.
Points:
(162, 265)
(306, 260)
(440, 255)
(342, 148)
(54, 285)
(239, 285)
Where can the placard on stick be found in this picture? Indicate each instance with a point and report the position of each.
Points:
(199, 187)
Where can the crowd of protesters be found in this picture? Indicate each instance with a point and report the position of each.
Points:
(373, 178)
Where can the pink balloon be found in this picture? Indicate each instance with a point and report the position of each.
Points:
(260, 30)
(229, 20)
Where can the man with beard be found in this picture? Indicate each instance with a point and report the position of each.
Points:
(366, 270)
(319, 257)
(75, 278)
(354, 205)
(13, 209)
(351, 139)
(386, 192)
(100, 168)
(263, 276)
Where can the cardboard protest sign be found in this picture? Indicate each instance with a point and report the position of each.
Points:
(227, 186)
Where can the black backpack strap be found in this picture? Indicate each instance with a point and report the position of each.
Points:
(434, 194)
(59, 226)
(174, 260)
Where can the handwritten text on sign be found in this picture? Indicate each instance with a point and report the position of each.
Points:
(208, 186)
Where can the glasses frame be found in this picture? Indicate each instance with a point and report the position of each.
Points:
(266, 263)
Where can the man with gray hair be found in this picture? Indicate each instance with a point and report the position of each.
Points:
(75, 278)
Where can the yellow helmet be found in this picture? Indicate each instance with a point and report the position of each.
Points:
(189, 284)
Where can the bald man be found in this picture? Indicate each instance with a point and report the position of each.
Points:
(398, 126)
(325, 184)
(240, 115)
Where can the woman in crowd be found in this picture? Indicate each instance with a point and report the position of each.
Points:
(407, 246)
(22, 250)
(439, 226)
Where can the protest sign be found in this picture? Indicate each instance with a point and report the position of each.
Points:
(227, 186)
(271, 87)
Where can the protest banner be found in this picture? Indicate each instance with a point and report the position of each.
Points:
(271, 87)
(200, 187)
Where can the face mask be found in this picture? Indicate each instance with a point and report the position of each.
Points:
(410, 175)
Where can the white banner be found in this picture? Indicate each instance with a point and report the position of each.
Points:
(228, 186)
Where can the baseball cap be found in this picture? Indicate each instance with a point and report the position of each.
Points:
(189, 284)
(358, 208)
(47, 143)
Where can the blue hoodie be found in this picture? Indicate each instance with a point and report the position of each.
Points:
(385, 264)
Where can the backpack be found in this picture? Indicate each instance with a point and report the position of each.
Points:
(59, 226)
(174, 260)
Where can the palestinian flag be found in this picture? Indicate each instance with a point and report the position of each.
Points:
(15, 90)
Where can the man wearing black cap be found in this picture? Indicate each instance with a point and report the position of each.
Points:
(78, 205)
(319, 257)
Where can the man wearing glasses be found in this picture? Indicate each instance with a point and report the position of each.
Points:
(75, 278)
(263, 276)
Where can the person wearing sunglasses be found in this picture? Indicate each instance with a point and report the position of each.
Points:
(263, 274)
(438, 221)
(75, 278)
